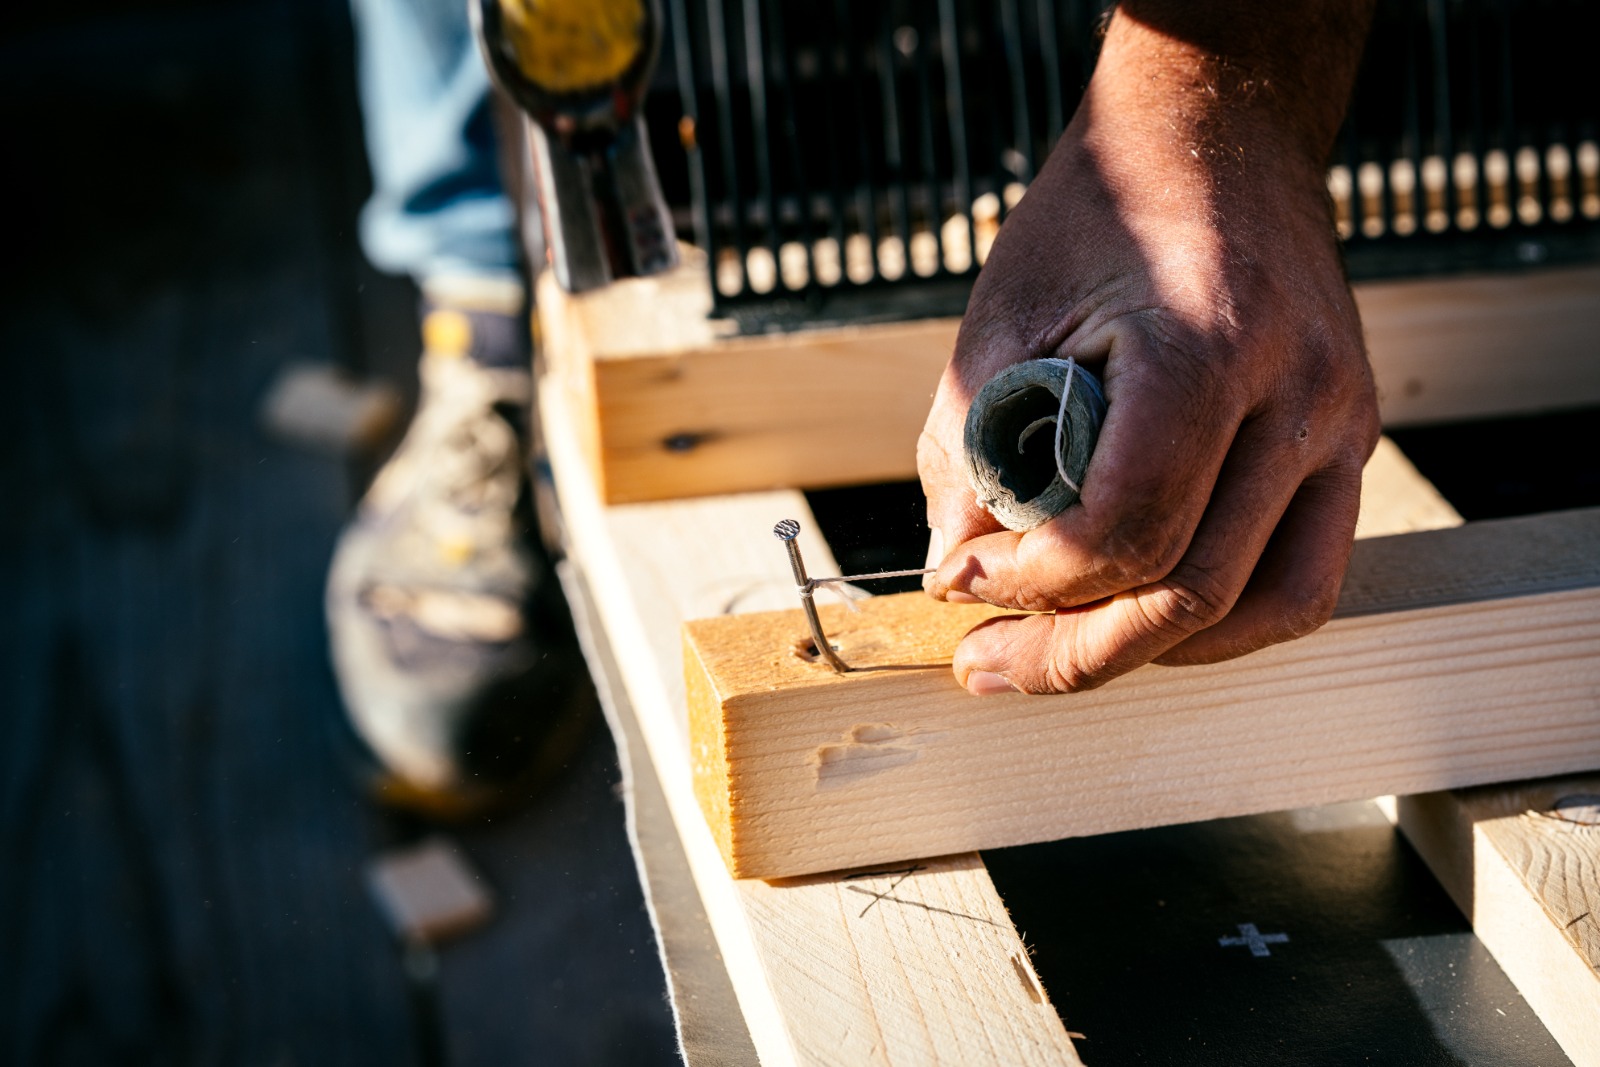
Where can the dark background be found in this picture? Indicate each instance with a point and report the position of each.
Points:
(182, 851)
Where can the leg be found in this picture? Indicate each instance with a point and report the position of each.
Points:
(457, 685)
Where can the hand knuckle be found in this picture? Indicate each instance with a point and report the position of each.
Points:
(1029, 597)
(1063, 675)
(1309, 609)
(1370, 429)
(1150, 552)
(1199, 370)
(1185, 604)
(1066, 667)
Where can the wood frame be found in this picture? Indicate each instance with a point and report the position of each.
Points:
(667, 403)
(851, 967)
(1529, 881)
(783, 943)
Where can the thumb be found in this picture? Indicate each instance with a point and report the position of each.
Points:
(956, 526)
(954, 514)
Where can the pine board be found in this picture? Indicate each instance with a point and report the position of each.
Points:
(1406, 691)
(915, 966)
(1529, 880)
(667, 403)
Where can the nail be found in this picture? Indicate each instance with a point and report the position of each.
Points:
(987, 683)
(786, 531)
(956, 596)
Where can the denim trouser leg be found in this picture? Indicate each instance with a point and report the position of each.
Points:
(437, 208)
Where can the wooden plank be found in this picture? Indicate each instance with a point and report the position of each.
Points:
(1447, 349)
(915, 966)
(709, 1025)
(1396, 498)
(1528, 881)
(1406, 691)
(1527, 874)
(670, 405)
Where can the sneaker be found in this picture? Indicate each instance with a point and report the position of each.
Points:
(460, 678)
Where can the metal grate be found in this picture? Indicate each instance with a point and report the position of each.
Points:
(853, 159)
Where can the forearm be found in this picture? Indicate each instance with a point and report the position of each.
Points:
(1206, 129)
(1218, 75)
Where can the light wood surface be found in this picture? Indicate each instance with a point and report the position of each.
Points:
(1529, 879)
(894, 967)
(1438, 636)
(1396, 498)
(666, 403)
(706, 1017)
(1445, 349)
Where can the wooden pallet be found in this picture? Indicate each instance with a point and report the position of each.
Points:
(917, 961)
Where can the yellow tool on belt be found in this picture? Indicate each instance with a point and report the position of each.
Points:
(579, 68)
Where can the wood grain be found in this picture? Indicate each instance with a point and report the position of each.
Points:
(667, 403)
(1447, 349)
(1396, 498)
(1407, 690)
(914, 966)
(1529, 880)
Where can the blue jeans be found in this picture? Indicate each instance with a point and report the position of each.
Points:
(438, 209)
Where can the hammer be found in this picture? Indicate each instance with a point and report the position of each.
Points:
(579, 70)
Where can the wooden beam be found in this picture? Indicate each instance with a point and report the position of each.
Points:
(1525, 868)
(668, 403)
(1528, 881)
(705, 1010)
(875, 967)
(1396, 498)
(1446, 349)
(1457, 657)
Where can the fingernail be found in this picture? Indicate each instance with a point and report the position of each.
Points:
(935, 554)
(987, 683)
(956, 596)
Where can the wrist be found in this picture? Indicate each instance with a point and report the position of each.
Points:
(1225, 86)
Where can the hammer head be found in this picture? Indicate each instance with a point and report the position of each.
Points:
(579, 70)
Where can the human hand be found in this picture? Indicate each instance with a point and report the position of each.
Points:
(1178, 242)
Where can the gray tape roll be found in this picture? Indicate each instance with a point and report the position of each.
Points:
(1010, 440)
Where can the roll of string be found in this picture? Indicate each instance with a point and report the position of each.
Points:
(1028, 438)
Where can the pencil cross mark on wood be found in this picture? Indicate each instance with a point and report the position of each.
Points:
(1258, 941)
(931, 909)
(899, 876)
(788, 531)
